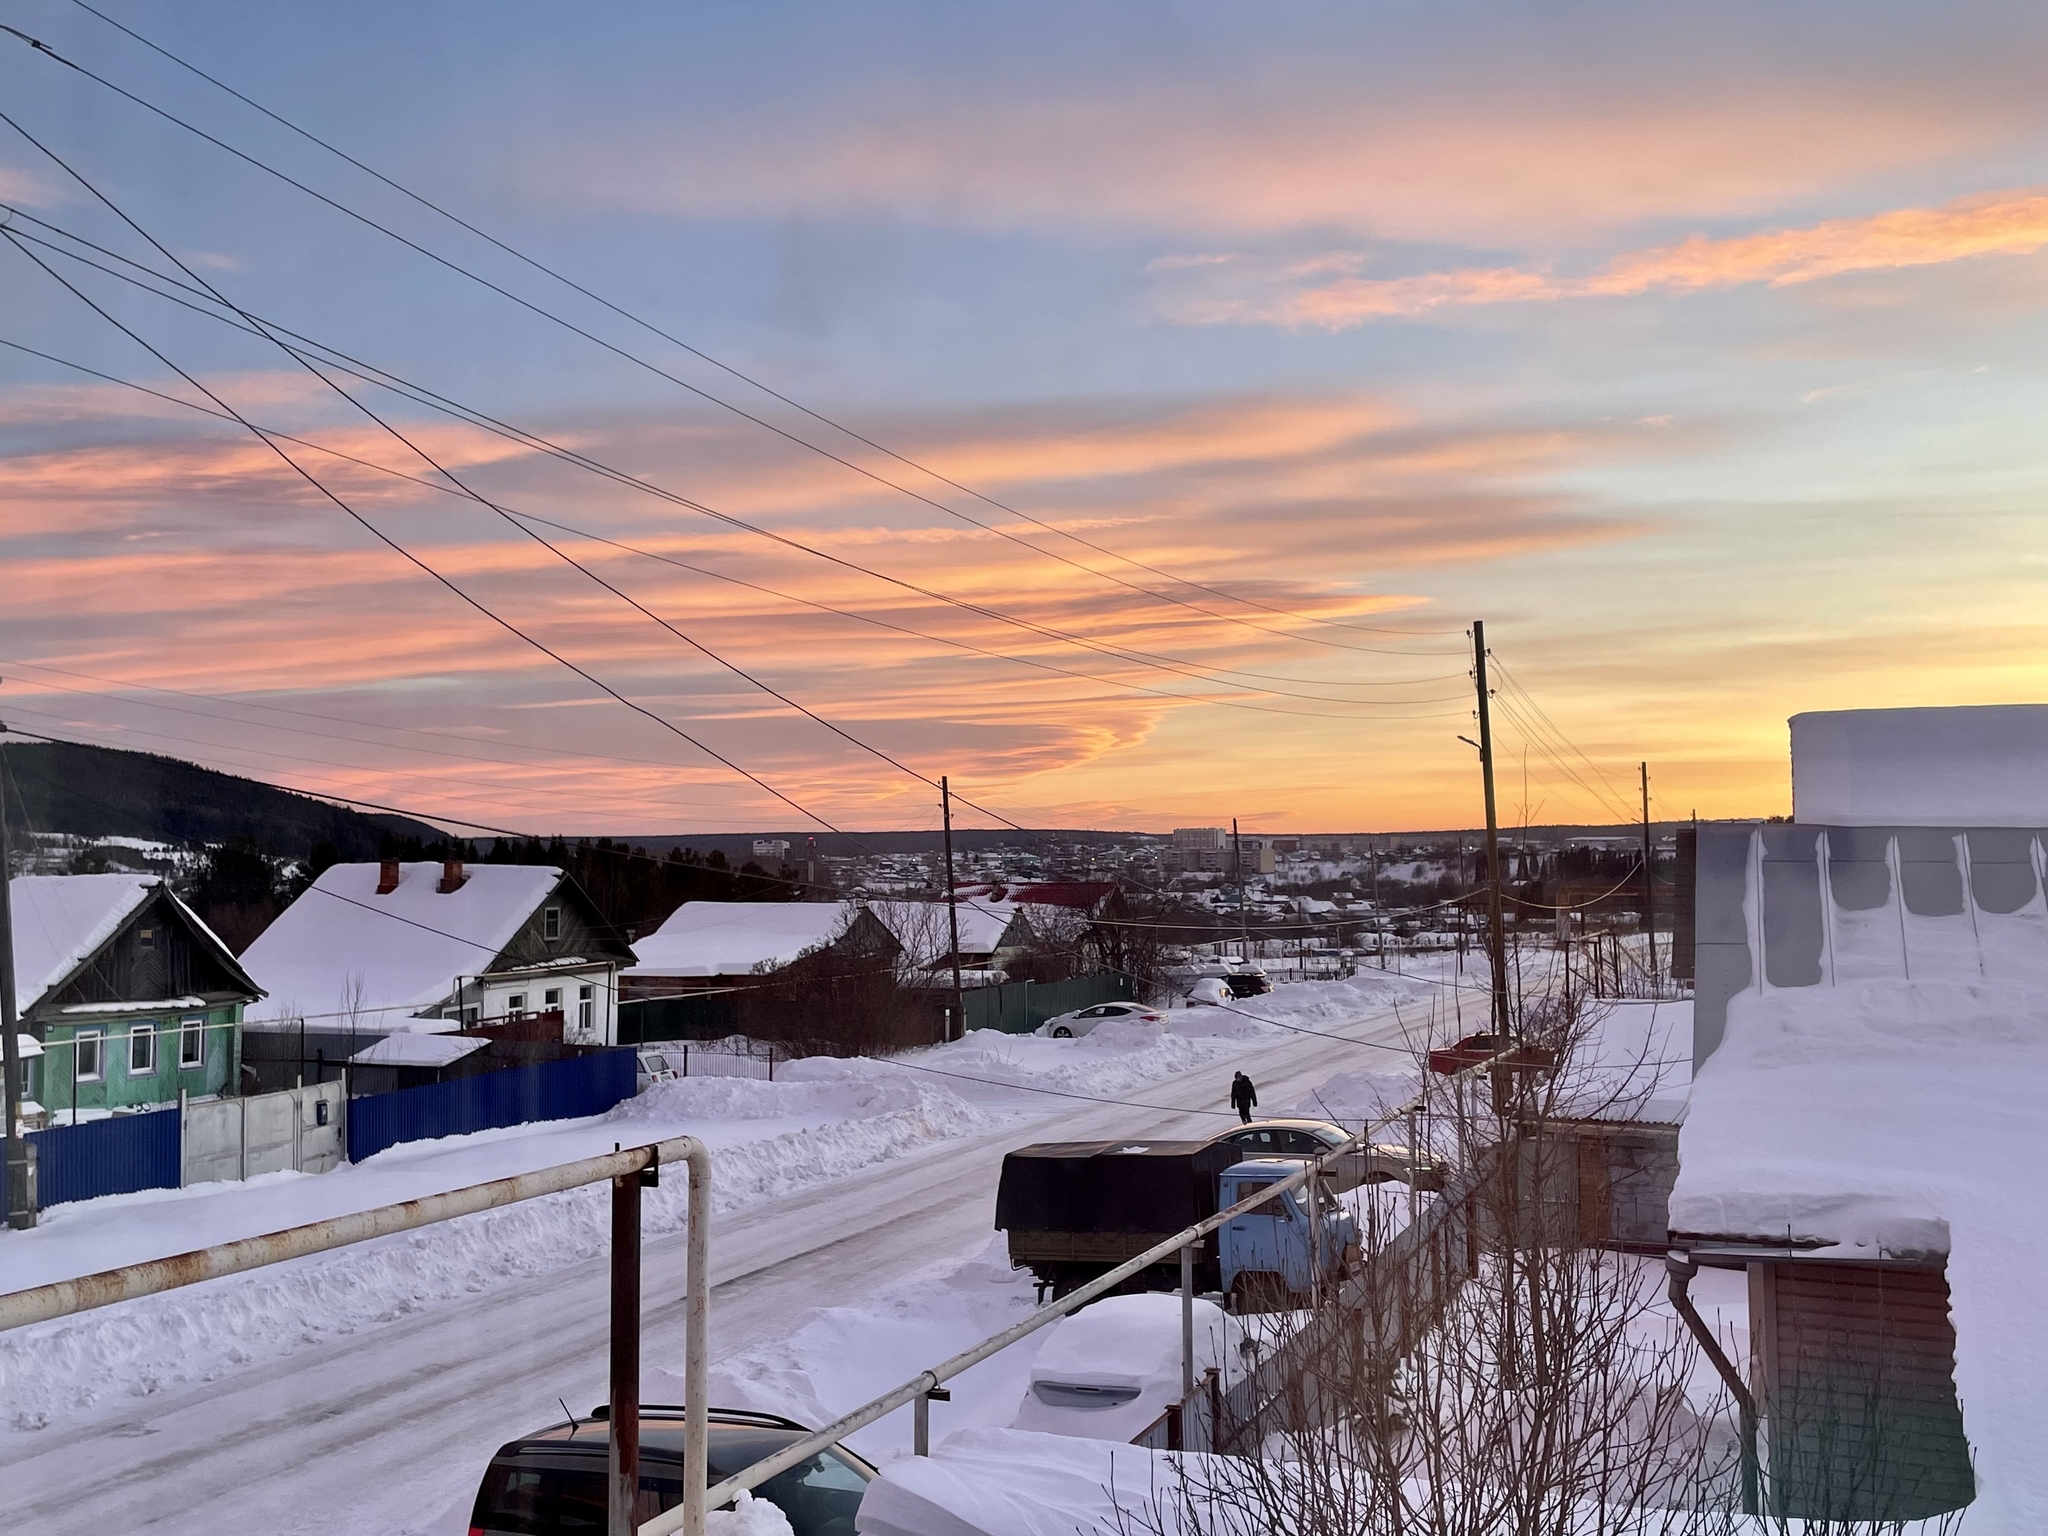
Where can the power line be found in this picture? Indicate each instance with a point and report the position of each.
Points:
(421, 395)
(377, 533)
(705, 357)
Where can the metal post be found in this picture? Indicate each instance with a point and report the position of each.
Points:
(959, 1018)
(624, 1458)
(1496, 944)
(1187, 1321)
(17, 1198)
(921, 1426)
(1414, 1160)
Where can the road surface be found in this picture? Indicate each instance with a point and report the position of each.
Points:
(381, 1432)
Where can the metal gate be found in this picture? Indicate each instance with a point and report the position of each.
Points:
(297, 1128)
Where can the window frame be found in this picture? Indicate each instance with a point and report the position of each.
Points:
(145, 938)
(586, 1005)
(551, 922)
(98, 1036)
(143, 1030)
(515, 1002)
(192, 1042)
(550, 999)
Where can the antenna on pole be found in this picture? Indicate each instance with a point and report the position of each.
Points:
(952, 908)
(1496, 942)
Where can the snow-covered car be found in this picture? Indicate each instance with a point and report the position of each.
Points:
(1109, 1371)
(1241, 977)
(1209, 992)
(1071, 1026)
(552, 1482)
(1375, 1164)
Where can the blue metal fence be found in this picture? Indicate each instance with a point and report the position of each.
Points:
(116, 1156)
(1018, 1007)
(549, 1090)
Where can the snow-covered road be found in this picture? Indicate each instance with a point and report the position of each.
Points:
(384, 1430)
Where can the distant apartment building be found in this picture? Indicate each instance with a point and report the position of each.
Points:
(1212, 851)
(776, 848)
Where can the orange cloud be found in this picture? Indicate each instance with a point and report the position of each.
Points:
(1300, 294)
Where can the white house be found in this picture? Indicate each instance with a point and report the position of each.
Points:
(376, 949)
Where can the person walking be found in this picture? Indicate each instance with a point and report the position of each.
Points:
(1242, 1097)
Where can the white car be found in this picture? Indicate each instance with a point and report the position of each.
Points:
(1071, 1026)
(1109, 1371)
(1209, 992)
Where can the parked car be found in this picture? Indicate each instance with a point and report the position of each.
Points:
(1209, 992)
(1376, 1164)
(552, 1482)
(652, 1067)
(1071, 1026)
(1241, 977)
(1109, 1371)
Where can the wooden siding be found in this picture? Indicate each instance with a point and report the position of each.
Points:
(1857, 1368)
(179, 962)
(584, 932)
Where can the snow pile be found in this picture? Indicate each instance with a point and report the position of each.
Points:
(1974, 766)
(1899, 1118)
(749, 1516)
(1112, 1058)
(1012, 1482)
(859, 1113)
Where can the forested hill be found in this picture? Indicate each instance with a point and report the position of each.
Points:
(105, 792)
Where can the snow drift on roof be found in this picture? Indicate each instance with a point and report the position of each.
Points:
(736, 938)
(1969, 766)
(408, 946)
(416, 1050)
(59, 920)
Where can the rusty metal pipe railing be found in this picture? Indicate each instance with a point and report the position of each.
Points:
(63, 1298)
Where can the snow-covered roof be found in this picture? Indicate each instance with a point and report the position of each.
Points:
(60, 920)
(408, 1049)
(408, 946)
(1965, 766)
(737, 938)
(922, 927)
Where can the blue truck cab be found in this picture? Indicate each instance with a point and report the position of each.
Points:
(1271, 1248)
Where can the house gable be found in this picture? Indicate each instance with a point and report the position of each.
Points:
(159, 952)
(581, 930)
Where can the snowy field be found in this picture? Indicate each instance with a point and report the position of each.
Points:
(184, 1364)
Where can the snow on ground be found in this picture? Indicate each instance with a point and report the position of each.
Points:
(1899, 1117)
(823, 1118)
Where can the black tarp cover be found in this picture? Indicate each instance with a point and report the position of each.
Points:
(1110, 1186)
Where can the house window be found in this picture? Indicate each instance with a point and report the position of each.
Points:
(552, 998)
(551, 922)
(145, 938)
(586, 1007)
(516, 1003)
(142, 1050)
(85, 1055)
(192, 1040)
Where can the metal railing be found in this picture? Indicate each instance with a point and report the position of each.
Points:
(627, 1170)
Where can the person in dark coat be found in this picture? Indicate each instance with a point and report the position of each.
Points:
(1242, 1097)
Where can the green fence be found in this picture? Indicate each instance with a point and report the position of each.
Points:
(1018, 1007)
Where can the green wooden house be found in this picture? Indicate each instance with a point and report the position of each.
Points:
(125, 997)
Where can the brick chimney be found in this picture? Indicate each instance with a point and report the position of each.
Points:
(452, 876)
(387, 877)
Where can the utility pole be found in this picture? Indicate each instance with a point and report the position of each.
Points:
(1649, 877)
(1496, 942)
(17, 1198)
(952, 908)
(1244, 922)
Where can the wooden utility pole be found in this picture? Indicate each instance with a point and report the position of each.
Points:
(1244, 922)
(1649, 877)
(1496, 939)
(959, 1022)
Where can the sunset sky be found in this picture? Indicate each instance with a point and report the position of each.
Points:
(1700, 351)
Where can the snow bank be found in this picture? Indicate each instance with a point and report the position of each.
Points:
(1899, 1118)
(1130, 1342)
(60, 1369)
(1012, 1482)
